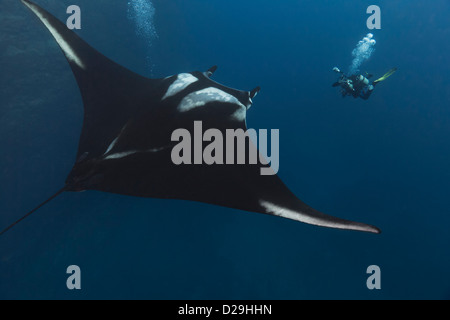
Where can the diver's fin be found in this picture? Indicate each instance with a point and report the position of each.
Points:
(34, 210)
(336, 84)
(387, 75)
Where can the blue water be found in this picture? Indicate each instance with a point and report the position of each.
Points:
(384, 161)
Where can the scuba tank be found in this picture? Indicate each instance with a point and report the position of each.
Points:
(363, 79)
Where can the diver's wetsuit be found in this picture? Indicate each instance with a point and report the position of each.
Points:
(354, 86)
(362, 89)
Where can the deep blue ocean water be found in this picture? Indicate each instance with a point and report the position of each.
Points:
(384, 161)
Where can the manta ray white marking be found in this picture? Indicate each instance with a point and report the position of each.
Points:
(205, 96)
(182, 82)
(298, 216)
(112, 145)
(239, 115)
(121, 155)
(70, 54)
(287, 213)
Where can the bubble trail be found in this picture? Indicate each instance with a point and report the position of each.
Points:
(142, 14)
(362, 52)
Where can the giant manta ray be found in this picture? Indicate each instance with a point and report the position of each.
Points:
(125, 145)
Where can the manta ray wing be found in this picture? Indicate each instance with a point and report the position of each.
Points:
(105, 86)
(126, 141)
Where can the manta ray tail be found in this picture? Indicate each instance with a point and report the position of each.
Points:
(34, 210)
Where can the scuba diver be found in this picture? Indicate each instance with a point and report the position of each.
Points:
(358, 86)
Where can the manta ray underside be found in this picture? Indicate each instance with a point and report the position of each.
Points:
(125, 145)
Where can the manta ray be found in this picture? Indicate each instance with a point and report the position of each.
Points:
(125, 144)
